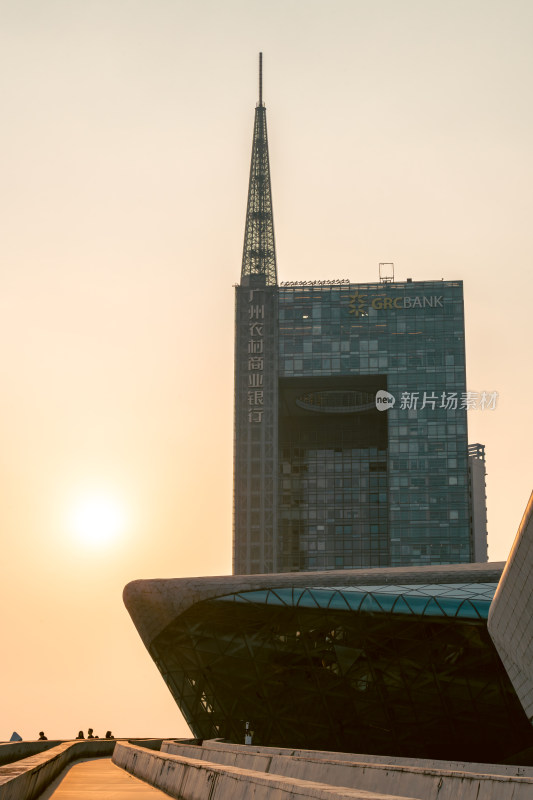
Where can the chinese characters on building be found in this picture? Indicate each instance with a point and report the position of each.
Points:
(256, 364)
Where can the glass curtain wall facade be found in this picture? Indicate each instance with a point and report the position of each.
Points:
(395, 670)
(353, 486)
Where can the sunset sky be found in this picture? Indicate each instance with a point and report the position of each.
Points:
(399, 132)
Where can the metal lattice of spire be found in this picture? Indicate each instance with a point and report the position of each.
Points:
(259, 252)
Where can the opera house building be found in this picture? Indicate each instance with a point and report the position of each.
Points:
(428, 662)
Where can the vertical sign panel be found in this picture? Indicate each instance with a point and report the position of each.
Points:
(255, 442)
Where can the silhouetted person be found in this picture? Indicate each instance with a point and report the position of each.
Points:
(109, 735)
(80, 735)
(90, 734)
(42, 737)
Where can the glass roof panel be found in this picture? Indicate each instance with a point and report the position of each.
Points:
(468, 601)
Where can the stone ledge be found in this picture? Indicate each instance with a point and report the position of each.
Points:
(192, 779)
(512, 770)
(420, 779)
(14, 751)
(25, 778)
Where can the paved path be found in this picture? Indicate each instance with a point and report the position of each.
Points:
(100, 779)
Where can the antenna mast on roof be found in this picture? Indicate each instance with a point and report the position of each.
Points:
(260, 79)
(259, 252)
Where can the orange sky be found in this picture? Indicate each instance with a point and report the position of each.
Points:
(398, 132)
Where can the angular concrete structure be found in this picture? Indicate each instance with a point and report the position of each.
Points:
(510, 620)
(153, 604)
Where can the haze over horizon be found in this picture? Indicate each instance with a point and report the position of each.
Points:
(397, 132)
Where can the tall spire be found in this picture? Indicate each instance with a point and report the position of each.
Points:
(259, 252)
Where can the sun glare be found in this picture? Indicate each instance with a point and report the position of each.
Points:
(97, 520)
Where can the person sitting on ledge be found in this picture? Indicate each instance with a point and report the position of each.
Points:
(109, 735)
(90, 734)
(80, 735)
(42, 737)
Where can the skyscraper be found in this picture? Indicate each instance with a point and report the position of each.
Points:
(478, 500)
(350, 442)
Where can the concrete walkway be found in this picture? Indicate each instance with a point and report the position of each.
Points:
(100, 779)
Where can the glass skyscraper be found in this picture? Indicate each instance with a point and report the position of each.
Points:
(350, 413)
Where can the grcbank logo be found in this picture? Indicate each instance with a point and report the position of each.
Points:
(359, 303)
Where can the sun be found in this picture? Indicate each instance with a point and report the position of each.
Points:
(97, 519)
